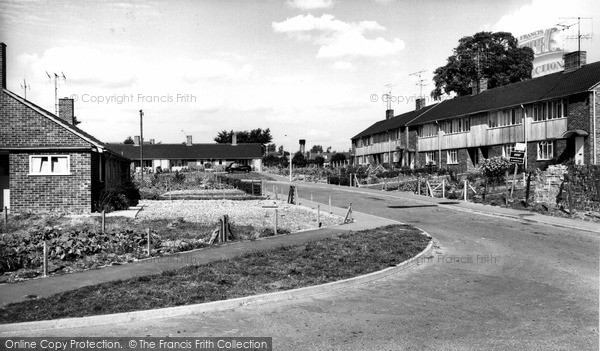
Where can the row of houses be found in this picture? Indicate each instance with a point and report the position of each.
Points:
(555, 115)
(48, 164)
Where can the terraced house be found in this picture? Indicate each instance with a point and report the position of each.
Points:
(46, 162)
(555, 115)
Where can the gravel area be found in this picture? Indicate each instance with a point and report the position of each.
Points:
(250, 212)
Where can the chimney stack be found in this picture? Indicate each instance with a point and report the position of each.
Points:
(234, 139)
(65, 110)
(302, 146)
(574, 60)
(151, 141)
(478, 87)
(419, 103)
(188, 140)
(136, 140)
(3, 64)
(389, 114)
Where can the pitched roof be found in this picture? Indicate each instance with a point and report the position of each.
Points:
(392, 123)
(547, 87)
(193, 152)
(73, 129)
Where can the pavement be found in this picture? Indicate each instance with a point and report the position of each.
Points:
(457, 205)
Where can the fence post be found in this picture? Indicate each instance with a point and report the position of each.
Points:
(252, 187)
(419, 186)
(45, 270)
(527, 190)
(103, 222)
(5, 216)
(330, 212)
(275, 227)
(319, 216)
(444, 188)
(148, 239)
(466, 189)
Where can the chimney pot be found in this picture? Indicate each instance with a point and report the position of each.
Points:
(389, 114)
(419, 103)
(65, 110)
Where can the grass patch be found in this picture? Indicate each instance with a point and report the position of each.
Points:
(339, 257)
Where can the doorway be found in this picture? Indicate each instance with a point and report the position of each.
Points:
(4, 182)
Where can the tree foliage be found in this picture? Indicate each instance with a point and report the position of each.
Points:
(258, 135)
(494, 56)
(319, 161)
(299, 160)
(338, 157)
(316, 149)
(128, 141)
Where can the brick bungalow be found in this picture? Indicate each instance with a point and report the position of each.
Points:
(188, 156)
(47, 164)
(556, 115)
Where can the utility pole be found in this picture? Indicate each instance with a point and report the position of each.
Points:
(142, 144)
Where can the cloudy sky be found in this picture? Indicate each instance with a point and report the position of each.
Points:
(306, 69)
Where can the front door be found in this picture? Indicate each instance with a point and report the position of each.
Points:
(579, 160)
(4, 182)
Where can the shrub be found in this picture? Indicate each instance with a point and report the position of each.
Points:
(494, 169)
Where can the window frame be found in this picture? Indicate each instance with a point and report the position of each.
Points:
(430, 157)
(49, 158)
(452, 160)
(549, 150)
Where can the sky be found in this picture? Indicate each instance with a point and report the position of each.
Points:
(306, 69)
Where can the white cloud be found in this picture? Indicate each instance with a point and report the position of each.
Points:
(541, 14)
(343, 66)
(337, 38)
(311, 4)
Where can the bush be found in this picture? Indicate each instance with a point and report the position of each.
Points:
(494, 169)
(118, 197)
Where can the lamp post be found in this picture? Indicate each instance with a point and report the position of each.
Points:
(141, 145)
(290, 160)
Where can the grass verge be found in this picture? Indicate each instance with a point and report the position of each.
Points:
(339, 257)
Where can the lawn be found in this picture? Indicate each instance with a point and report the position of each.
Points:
(339, 257)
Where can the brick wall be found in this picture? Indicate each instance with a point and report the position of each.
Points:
(579, 118)
(42, 193)
(22, 126)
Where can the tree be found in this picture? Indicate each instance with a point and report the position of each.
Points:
(494, 56)
(338, 157)
(316, 149)
(319, 161)
(258, 135)
(329, 149)
(129, 141)
(271, 148)
(298, 160)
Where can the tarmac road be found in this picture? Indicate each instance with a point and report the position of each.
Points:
(491, 284)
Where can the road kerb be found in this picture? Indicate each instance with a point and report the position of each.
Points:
(24, 328)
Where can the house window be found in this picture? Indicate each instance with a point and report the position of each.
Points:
(430, 157)
(49, 165)
(550, 110)
(545, 150)
(452, 157)
(427, 130)
(507, 149)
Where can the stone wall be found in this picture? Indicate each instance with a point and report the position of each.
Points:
(583, 183)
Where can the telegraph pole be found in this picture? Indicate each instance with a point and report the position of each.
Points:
(142, 144)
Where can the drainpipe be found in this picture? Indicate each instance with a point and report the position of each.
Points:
(525, 133)
(594, 117)
(439, 145)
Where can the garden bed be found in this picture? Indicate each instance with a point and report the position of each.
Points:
(77, 243)
(317, 262)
